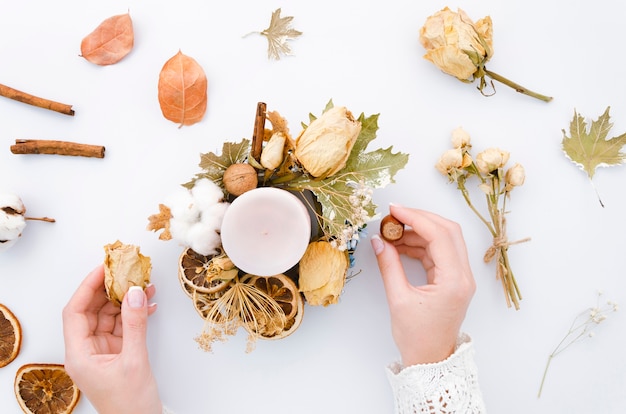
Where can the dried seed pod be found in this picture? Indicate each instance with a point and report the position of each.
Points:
(391, 229)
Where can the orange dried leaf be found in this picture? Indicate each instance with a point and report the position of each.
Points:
(182, 90)
(110, 42)
(161, 221)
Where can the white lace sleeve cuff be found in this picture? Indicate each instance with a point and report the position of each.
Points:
(449, 386)
(167, 410)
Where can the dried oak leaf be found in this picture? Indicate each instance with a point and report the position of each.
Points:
(110, 42)
(591, 149)
(161, 221)
(182, 90)
(278, 34)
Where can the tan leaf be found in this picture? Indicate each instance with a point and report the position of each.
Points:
(278, 34)
(111, 41)
(182, 90)
(161, 221)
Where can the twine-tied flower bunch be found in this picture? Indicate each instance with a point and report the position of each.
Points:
(496, 182)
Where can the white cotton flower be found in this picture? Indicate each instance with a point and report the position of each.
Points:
(197, 215)
(203, 239)
(12, 221)
(183, 206)
(206, 193)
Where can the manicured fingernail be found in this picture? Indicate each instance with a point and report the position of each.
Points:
(395, 205)
(377, 244)
(136, 297)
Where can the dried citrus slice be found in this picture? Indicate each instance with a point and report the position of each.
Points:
(284, 291)
(45, 388)
(10, 336)
(204, 274)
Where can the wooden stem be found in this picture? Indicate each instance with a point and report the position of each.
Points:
(259, 130)
(40, 146)
(26, 98)
(46, 219)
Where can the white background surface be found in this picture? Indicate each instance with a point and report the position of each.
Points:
(366, 56)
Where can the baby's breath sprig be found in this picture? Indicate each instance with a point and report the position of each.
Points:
(580, 329)
(496, 183)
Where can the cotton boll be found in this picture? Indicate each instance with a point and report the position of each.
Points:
(203, 239)
(206, 193)
(12, 201)
(179, 229)
(214, 215)
(12, 221)
(11, 225)
(183, 206)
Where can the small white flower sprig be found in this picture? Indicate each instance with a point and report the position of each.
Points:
(580, 329)
(496, 183)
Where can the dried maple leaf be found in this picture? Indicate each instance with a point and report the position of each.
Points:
(182, 90)
(110, 42)
(590, 149)
(161, 221)
(278, 34)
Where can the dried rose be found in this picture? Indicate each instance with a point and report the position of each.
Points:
(491, 160)
(322, 273)
(461, 48)
(455, 44)
(460, 138)
(452, 162)
(515, 176)
(124, 266)
(324, 147)
(272, 155)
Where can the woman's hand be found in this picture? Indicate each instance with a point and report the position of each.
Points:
(426, 320)
(105, 348)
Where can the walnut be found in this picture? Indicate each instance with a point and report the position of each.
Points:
(239, 178)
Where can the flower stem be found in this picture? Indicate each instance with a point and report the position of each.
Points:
(517, 87)
(543, 378)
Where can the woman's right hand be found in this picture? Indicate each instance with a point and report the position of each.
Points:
(426, 319)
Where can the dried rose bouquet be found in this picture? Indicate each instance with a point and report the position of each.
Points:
(496, 183)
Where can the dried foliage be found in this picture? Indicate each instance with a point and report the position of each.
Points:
(110, 42)
(278, 34)
(183, 90)
(590, 149)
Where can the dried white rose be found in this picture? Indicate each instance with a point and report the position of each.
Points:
(124, 266)
(515, 176)
(272, 155)
(455, 44)
(491, 160)
(322, 273)
(325, 145)
(460, 138)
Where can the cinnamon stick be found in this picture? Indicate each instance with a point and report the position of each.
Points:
(40, 146)
(259, 130)
(27, 98)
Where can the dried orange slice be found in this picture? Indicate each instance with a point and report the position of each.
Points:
(204, 274)
(10, 336)
(45, 388)
(284, 291)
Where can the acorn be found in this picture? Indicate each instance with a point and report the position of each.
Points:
(391, 229)
(239, 178)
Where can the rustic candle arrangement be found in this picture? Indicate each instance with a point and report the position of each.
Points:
(272, 224)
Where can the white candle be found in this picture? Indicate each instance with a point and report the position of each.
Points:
(266, 231)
